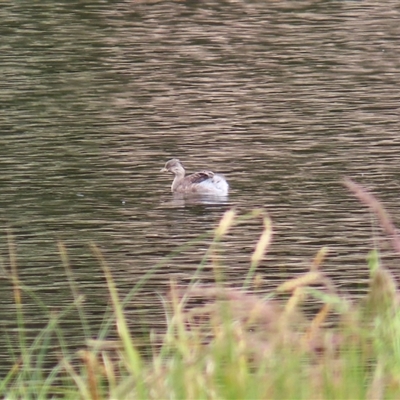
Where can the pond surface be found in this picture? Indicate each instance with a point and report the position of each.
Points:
(283, 98)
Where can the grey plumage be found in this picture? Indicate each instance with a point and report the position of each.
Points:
(202, 182)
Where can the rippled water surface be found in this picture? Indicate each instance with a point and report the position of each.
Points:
(284, 98)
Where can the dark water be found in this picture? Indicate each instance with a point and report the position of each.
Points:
(284, 98)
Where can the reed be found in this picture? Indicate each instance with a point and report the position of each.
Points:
(232, 344)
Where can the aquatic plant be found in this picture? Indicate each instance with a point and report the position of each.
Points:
(223, 342)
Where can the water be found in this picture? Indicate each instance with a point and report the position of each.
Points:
(285, 99)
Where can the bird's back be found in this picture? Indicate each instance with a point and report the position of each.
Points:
(205, 182)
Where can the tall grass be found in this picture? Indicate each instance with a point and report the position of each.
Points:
(228, 343)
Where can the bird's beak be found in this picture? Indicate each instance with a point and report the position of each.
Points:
(163, 170)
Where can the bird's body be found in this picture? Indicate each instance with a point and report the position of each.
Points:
(203, 182)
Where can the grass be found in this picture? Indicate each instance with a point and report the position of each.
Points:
(223, 343)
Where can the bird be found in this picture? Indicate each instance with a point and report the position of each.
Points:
(203, 182)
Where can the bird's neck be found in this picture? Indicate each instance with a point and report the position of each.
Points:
(177, 180)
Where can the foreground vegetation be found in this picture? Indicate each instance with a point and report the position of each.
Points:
(228, 343)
